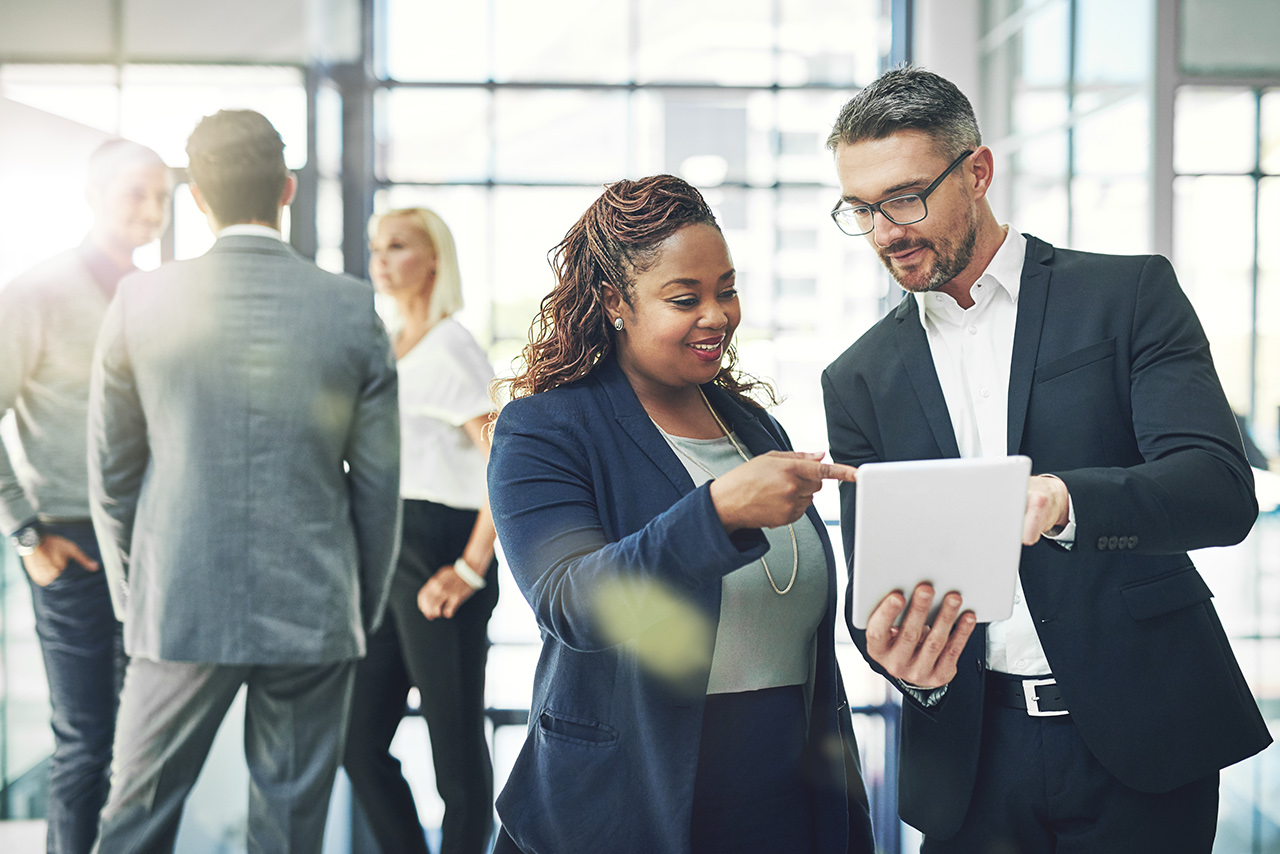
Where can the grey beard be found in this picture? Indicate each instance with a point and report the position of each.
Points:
(948, 266)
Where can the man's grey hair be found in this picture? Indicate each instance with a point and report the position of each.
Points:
(909, 98)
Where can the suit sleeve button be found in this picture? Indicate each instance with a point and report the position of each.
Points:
(1112, 542)
(1133, 542)
(1102, 543)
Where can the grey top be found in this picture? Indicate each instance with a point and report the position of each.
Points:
(49, 319)
(763, 640)
(244, 452)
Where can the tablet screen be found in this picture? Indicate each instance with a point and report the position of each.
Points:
(956, 523)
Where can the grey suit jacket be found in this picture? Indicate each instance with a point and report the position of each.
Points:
(244, 459)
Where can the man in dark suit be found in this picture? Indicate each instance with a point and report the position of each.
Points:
(244, 482)
(1098, 716)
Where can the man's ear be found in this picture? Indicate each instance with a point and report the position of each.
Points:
(198, 197)
(981, 171)
(290, 190)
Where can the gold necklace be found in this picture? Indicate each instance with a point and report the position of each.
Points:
(795, 551)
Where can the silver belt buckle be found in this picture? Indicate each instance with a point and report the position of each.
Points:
(1029, 687)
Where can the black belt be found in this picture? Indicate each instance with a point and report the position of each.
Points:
(1038, 696)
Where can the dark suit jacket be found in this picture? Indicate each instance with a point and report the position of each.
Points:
(1112, 389)
(244, 443)
(621, 559)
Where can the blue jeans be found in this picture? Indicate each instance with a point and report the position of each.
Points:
(84, 661)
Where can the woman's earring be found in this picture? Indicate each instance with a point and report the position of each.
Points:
(617, 323)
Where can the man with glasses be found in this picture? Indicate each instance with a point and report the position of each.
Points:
(1098, 716)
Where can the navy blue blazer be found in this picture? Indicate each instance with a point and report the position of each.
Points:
(1112, 389)
(621, 559)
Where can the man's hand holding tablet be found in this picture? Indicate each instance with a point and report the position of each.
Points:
(922, 652)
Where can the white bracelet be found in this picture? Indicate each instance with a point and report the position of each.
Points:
(474, 580)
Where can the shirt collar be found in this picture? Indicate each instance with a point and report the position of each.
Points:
(249, 229)
(105, 271)
(1004, 270)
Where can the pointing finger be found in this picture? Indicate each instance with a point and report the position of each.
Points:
(838, 471)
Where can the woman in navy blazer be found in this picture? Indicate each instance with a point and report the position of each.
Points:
(627, 394)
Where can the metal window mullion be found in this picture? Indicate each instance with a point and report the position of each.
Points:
(1254, 271)
(1073, 26)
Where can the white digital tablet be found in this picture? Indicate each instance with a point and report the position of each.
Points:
(956, 523)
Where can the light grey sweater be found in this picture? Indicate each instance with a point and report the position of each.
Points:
(49, 320)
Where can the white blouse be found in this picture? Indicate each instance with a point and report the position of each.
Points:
(444, 383)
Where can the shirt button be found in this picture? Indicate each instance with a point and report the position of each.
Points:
(986, 392)
(1020, 663)
(1017, 600)
(973, 330)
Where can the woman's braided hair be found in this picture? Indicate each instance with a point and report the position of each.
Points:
(618, 236)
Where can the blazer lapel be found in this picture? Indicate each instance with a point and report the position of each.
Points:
(1032, 296)
(637, 424)
(917, 359)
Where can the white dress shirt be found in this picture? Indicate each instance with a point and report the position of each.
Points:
(972, 350)
(250, 229)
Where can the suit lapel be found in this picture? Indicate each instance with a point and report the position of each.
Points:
(913, 349)
(1032, 296)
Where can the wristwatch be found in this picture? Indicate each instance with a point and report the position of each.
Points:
(27, 539)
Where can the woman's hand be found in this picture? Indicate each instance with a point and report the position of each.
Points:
(773, 489)
(443, 594)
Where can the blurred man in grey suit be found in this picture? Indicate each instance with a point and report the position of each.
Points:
(244, 477)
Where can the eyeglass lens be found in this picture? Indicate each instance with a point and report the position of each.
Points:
(903, 210)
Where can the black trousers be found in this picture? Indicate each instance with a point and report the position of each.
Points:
(1041, 791)
(443, 659)
(749, 796)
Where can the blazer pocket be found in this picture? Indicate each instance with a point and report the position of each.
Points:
(1087, 356)
(1179, 589)
(576, 730)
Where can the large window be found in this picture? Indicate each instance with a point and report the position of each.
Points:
(1067, 87)
(1141, 126)
(66, 110)
(1226, 218)
(508, 118)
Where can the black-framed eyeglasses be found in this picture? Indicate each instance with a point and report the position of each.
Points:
(857, 220)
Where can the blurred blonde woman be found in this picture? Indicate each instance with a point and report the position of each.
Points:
(435, 635)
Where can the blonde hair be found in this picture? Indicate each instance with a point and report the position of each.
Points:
(446, 293)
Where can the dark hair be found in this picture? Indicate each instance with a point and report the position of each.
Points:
(113, 155)
(909, 98)
(237, 161)
(618, 236)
